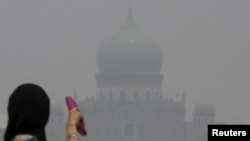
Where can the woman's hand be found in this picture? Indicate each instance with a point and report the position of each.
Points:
(74, 119)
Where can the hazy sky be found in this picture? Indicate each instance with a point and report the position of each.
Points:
(205, 43)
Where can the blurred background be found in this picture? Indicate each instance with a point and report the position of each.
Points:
(204, 47)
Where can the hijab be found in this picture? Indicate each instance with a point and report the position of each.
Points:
(28, 112)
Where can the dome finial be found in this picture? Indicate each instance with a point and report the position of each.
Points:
(129, 22)
(130, 7)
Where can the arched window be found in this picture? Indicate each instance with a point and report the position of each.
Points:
(136, 96)
(205, 120)
(101, 95)
(111, 96)
(198, 119)
(116, 130)
(211, 119)
(122, 96)
(147, 96)
(157, 96)
(141, 129)
(129, 129)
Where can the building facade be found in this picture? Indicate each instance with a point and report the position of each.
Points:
(56, 126)
(129, 104)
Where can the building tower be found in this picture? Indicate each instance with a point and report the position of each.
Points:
(204, 112)
(129, 104)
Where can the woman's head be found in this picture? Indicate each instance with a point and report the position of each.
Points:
(28, 112)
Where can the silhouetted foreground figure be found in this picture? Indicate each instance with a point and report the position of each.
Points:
(28, 114)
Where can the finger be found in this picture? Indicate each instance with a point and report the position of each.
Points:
(75, 109)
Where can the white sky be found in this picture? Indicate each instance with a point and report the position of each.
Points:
(205, 44)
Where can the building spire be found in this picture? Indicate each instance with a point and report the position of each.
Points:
(129, 22)
(130, 8)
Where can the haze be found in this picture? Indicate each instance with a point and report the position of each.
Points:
(205, 45)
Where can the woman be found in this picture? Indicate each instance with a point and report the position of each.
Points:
(28, 114)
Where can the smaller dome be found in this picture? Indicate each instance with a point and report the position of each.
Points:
(205, 108)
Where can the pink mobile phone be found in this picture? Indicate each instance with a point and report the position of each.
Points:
(72, 104)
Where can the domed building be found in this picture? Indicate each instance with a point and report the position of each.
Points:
(57, 112)
(204, 111)
(129, 104)
(56, 126)
(203, 115)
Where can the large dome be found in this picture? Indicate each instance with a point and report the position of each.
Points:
(129, 50)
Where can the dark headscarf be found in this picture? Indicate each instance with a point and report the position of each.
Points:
(28, 112)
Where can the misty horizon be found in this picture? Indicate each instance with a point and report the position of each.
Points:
(205, 47)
